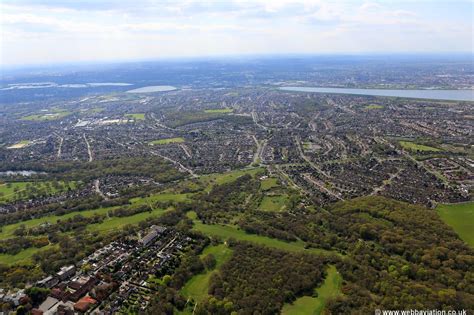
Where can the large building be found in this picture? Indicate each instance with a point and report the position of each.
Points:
(155, 232)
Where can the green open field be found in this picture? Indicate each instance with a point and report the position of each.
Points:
(196, 288)
(163, 197)
(115, 223)
(136, 116)
(109, 224)
(460, 217)
(373, 106)
(7, 230)
(273, 203)
(417, 147)
(228, 177)
(219, 110)
(166, 141)
(269, 183)
(229, 231)
(309, 305)
(9, 191)
(47, 116)
(23, 257)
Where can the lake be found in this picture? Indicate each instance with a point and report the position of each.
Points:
(22, 173)
(452, 95)
(153, 88)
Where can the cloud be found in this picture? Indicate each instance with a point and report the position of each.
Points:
(61, 30)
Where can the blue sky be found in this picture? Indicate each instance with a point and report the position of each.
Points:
(54, 31)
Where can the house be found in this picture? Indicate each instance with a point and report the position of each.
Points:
(47, 282)
(84, 304)
(66, 272)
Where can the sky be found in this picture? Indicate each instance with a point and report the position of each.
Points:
(67, 31)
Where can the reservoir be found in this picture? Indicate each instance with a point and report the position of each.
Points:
(452, 95)
(153, 88)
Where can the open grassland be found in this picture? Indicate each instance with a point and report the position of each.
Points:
(166, 141)
(461, 218)
(230, 231)
(197, 287)
(269, 183)
(23, 257)
(19, 145)
(219, 110)
(315, 305)
(273, 203)
(219, 179)
(164, 197)
(22, 190)
(48, 116)
(8, 191)
(109, 224)
(136, 116)
(114, 223)
(7, 230)
(373, 106)
(417, 147)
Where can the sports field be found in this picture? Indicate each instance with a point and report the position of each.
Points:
(417, 147)
(136, 116)
(166, 141)
(219, 110)
(460, 217)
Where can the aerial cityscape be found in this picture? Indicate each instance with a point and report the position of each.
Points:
(304, 182)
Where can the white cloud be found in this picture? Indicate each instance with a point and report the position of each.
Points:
(157, 28)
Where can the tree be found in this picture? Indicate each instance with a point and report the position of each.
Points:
(209, 261)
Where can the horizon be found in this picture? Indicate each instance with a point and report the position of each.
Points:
(236, 58)
(42, 33)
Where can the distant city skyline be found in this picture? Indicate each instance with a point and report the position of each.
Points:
(61, 31)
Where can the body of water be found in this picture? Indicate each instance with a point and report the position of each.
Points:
(452, 95)
(153, 88)
(22, 173)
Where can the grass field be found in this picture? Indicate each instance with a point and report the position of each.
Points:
(107, 225)
(373, 106)
(315, 305)
(7, 230)
(417, 147)
(8, 191)
(224, 178)
(461, 218)
(273, 203)
(115, 223)
(269, 183)
(23, 257)
(19, 145)
(160, 197)
(48, 116)
(196, 288)
(228, 231)
(136, 116)
(166, 141)
(219, 110)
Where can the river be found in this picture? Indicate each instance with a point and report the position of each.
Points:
(452, 95)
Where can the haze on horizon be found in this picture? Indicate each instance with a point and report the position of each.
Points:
(58, 31)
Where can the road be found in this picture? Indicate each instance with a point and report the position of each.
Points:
(89, 151)
(98, 191)
(176, 163)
